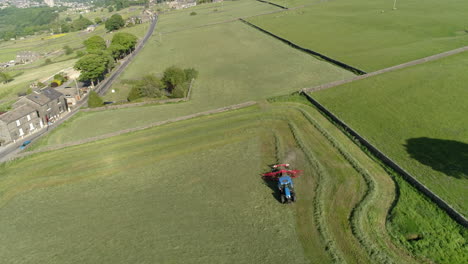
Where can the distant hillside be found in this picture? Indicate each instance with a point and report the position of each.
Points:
(16, 22)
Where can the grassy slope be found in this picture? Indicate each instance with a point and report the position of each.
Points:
(294, 3)
(156, 213)
(249, 66)
(206, 14)
(90, 208)
(358, 33)
(418, 117)
(47, 43)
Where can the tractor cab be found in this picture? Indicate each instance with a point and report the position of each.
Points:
(286, 188)
(283, 175)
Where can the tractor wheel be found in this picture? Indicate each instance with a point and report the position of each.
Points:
(293, 197)
(283, 199)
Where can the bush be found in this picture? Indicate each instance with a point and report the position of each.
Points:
(193, 13)
(134, 94)
(190, 73)
(79, 53)
(94, 100)
(67, 50)
(47, 62)
(55, 83)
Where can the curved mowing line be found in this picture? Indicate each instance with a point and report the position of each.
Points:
(323, 178)
(358, 211)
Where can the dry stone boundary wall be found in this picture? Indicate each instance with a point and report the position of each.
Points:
(124, 131)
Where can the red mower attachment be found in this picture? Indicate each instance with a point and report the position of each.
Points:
(281, 170)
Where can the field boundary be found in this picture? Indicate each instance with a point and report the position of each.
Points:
(163, 101)
(125, 131)
(454, 214)
(270, 3)
(389, 69)
(308, 51)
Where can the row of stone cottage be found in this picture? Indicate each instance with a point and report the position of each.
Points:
(30, 114)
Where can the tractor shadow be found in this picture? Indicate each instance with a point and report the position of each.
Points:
(273, 185)
(447, 156)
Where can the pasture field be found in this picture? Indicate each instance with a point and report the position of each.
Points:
(294, 3)
(236, 64)
(191, 192)
(368, 34)
(211, 13)
(54, 43)
(417, 116)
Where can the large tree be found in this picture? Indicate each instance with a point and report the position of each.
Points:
(172, 77)
(5, 77)
(95, 43)
(115, 22)
(92, 67)
(81, 23)
(126, 40)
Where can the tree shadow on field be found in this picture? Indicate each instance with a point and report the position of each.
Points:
(447, 156)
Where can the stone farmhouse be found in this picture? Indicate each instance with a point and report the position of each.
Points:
(26, 57)
(30, 114)
(49, 103)
(19, 122)
(180, 4)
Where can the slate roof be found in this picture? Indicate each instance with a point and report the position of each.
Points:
(46, 95)
(16, 113)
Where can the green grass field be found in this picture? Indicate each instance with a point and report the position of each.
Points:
(368, 34)
(191, 192)
(418, 117)
(294, 3)
(211, 13)
(238, 64)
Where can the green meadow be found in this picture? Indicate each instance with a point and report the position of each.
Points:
(417, 116)
(370, 35)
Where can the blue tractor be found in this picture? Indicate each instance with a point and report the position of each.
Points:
(283, 175)
(286, 188)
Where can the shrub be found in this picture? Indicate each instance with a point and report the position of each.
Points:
(55, 83)
(134, 94)
(94, 100)
(47, 62)
(79, 53)
(193, 13)
(190, 73)
(67, 50)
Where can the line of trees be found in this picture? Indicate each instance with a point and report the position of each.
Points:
(174, 83)
(100, 59)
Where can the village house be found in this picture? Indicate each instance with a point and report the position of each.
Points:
(180, 4)
(91, 28)
(26, 57)
(17, 123)
(72, 95)
(49, 104)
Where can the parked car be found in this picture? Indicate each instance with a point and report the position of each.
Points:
(23, 146)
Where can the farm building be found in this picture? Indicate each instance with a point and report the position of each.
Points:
(19, 122)
(26, 57)
(180, 4)
(49, 104)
